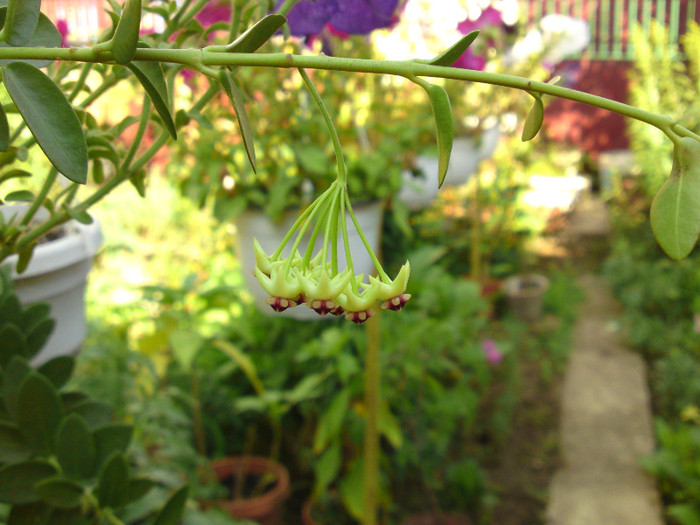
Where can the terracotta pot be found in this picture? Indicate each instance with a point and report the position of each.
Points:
(447, 518)
(306, 516)
(266, 508)
(525, 294)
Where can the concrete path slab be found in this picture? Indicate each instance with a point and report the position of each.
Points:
(606, 426)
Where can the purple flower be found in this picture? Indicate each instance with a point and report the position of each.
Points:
(470, 60)
(214, 12)
(356, 17)
(62, 27)
(488, 17)
(493, 354)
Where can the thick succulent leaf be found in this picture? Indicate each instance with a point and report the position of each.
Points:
(675, 210)
(38, 412)
(31, 513)
(257, 35)
(139, 487)
(50, 118)
(152, 78)
(126, 35)
(45, 35)
(173, 509)
(234, 94)
(58, 370)
(38, 335)
(444, 126)
(534, 120)
(110, 439)
(60, 492)
(75, 448)
(16, 372)
(450, 56)
(4, 130)
(34, 314)
(96, 413)
(12, 447)
(18, 479)
(13, 343)
(24, 23)
(113, 484)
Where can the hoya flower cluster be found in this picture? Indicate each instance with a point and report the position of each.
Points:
(315, 279)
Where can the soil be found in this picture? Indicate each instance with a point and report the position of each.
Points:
(520, 475)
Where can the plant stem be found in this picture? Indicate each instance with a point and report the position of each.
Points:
(48, 183)
(372, 401)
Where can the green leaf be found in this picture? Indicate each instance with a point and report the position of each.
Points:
(14, 174)
(236, 98)
(110, 439)
(30, 514)
(72, 399)
(60, 492)
(20, 196)
(25, 22)
(12, 447)
(68, 517)
(450, 56)
(684, 513)
(151, 77)
(38, 412)
(331, 421)
(24, 255)
(18, 479)
(38, 335)
(45, 35)
(13, 343)
(327, 467)
(82, 217)
(58, 370)
(113, 485)
(33, 314)
(444, 127)
(173, 509)
(185, 345)
(675, 210)
(75, 448)
(535, 118)
(257, 35)
(50, 118)
(4, 130)
(389, 427)
(126, 35)
(96, 413)
(351, 491)
(139, 487)
(16, 372)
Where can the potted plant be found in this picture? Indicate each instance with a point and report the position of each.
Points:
(525, 294)
(63, 458)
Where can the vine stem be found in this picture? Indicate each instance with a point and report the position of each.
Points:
(372, 401)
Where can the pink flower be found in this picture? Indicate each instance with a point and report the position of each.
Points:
(470, 60)
(493, 354)
(489, 17)
(62, 27)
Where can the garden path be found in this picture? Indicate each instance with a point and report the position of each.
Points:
(606, 422)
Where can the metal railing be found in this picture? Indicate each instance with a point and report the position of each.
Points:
(611, 21)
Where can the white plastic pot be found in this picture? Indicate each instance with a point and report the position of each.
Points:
(57, 273)
(468, 152)
(255, 224)
(419, 191)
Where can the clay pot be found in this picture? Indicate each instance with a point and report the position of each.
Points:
(525, 294)
(447, 518)
(266, 508)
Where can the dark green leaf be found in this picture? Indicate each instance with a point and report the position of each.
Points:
(38, 412)
(675, 210)
(11, 310)
(327, 468)
(534, 120)
(20, 196)
(234, 94)
(75, 448)
(13, 343)
(60, 492)
(12, 447)
(139, 487)
(113, 485)
(25, 22)
(68, 517)
(442, 111)
(39, 334)
(58, 370)
(50, 117)
(34, 314)
(29, 514)
(126, 35)
(24, 255)
(16, 372)
(96, 413)
(173, 509)
(98, 172)
(4, 130)
(450, 56)
(110, 439)
(151, 77)
(331, 421)
(82, 217)
(14, 173)
(72, 399)
(45, 35)
(17, 481)
(257, 35)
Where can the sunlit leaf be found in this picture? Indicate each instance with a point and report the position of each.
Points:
(126, 35)
(50, 118)
(257, 35)
(534, 120)
(450, 56)
(675, 210)
(444, 126)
